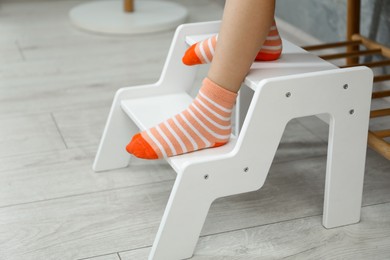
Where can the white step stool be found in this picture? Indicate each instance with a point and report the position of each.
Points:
(298, 84)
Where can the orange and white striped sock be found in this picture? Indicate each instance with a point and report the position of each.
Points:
(203, 51)
(205, 123)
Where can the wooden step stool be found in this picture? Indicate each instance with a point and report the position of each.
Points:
(298, 84)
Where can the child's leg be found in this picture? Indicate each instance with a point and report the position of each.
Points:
(244, 28)
(206, 123)
(203, 52)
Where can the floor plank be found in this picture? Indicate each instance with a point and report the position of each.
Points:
(29, 133)
(50, 80)
(49, 86)
(56, 87)
(297, 143)
(40, 176)
(83, 226)
(82, 128)
(104, 257)
(127, 218)
(297, 239)
(316, 126)
(10, 52)
(305, 239)
(142, 253)
(377, 179)
(56, 174)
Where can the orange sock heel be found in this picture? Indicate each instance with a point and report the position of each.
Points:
(272, 47)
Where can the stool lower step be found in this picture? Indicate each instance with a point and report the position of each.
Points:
(150, 111)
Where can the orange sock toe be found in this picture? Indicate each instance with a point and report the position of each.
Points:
(140, 148)
(262, 56)
(190, 57)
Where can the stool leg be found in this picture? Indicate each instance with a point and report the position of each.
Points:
(345, 169)
(243, 102)
(117, 133)
(183, 219)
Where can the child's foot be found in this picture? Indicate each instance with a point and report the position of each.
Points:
(272, 47)
(203, 52)
(205, 123)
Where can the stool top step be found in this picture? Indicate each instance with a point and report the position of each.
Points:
(294, 60)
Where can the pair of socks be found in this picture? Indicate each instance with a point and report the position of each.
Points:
(206, 123)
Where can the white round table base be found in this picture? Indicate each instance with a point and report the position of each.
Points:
(109, 17)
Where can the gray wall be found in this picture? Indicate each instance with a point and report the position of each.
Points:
(325, 19)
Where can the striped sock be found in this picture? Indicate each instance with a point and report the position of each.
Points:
(205, 123)
(203, 52)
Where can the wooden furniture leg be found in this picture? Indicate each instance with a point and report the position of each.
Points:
(353, 27)
(128, 6)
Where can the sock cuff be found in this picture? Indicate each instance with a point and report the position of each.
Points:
(218, 94)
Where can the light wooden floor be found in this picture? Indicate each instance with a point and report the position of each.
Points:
(56, 87)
